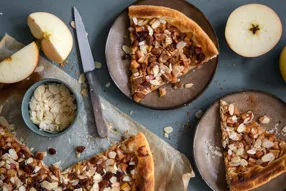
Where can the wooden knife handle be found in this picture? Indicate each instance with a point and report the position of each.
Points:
(96, 106)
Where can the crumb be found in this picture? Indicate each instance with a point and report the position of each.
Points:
(72, 23)
(199, 114)
(84, 92)
(131, 112)
(64, 63)
(76, 72)
(107, 85)
(97, 65)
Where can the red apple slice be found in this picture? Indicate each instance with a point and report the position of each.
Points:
(20, 65)
(253, 30)
(56, 39)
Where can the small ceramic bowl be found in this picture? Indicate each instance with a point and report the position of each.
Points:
(25, 108)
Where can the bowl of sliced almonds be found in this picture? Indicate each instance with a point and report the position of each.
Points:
(50, 107)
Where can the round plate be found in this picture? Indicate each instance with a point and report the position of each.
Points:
(210, 166)
(119, 69)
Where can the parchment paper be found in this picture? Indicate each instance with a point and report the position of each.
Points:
(172, 168)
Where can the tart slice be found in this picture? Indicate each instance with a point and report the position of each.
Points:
(165, 44)
(20, 169)
(252, 155)
(127, 166)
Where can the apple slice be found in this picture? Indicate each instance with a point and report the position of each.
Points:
(56, 39)
(20, 65)
(252, 30)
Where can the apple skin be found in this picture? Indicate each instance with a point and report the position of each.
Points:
(56, 39)
(282, 63)
(20, 65)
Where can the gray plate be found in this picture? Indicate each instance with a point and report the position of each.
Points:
(119, 69)
(208, 130)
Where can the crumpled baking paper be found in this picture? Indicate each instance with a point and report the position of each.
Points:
(172, 168)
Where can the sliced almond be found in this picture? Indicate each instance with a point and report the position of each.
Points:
(127, 178)
(231, 109)
(53, 89)
(240, 151)
(72, 23)
(135, 21)
(267, 144)
(189, 85)
(257, 143)
(13, 154)
(155, 24)
(166, 135)
(181, 45)
(199, 114)
(241, 128)
(168, 129)
(284, 129)
(232, 147)
(97, 177)
(264, 119)
(29, 161)
(47, 185)
(251, 151)
(97, 64)
(109, 162)
(150, 30)
(113, 179)
(126, 49)
(112, 154)
(268, 157)
(81, 78)
(243, 162)
(84, 92)
(235, 159)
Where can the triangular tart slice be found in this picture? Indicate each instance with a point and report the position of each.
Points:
(124, 166)
(252, 155)
(20, 169)
(165, 44)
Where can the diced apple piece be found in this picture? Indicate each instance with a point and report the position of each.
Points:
(253, 30)
(56, 39)
(20, 65)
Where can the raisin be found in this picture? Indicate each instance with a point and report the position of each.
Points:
(28, 169)
(129, 168)
(93, 160)
(146, 84)
(52, 151)
(103, 184)
(149, 40)
(80, 149)
(36, 185)
(119, 174)
(126, 57)
(192, 50)
(156, 51)
(171, 47)
(200, 57)
(182, 36)
(20, 154)
(99, 169)
(198, 50)
(173, 60)
(135, 43)
(107, 176)
(152, 58)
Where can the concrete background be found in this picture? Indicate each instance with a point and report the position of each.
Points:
(233, 73)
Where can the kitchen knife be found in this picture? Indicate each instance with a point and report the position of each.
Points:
(88, 68)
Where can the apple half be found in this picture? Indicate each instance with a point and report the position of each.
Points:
(56, 39)
(253, 30)
(20, 65)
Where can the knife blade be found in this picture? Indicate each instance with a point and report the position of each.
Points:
(88, 68)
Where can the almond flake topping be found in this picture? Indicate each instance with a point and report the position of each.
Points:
(156, 24)
(251, 151)
(112, 154)
(241, 128)
(181, 45)
(268, 157)
(231, 109)
(13, 154)
(243, 162)
(267, 144)
(127, 178)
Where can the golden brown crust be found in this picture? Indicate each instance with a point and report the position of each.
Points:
(179, 20)
(145, 168)
(258, 175)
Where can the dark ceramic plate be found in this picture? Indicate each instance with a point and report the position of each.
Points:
(119, 69)
(208, 131)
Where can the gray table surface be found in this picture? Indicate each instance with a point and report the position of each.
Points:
(233, 73)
